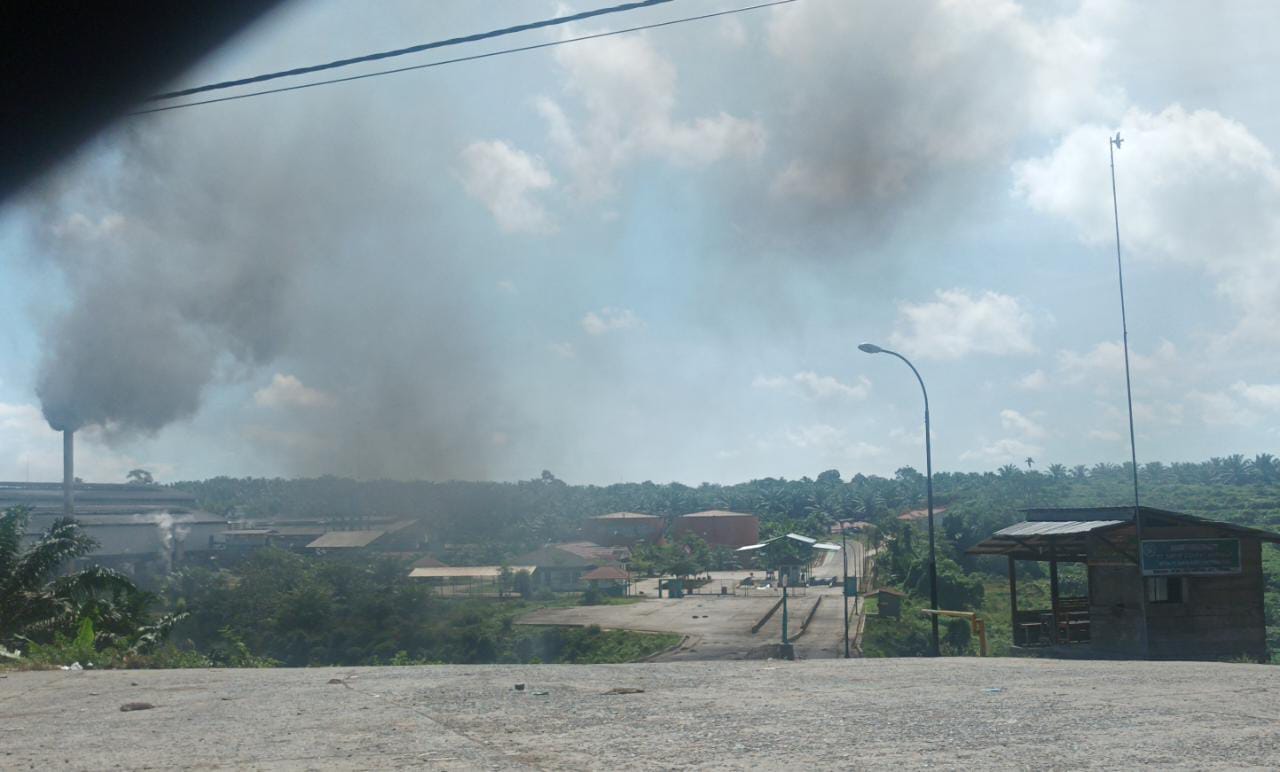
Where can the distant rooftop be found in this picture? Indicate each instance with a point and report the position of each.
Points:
(718, 513)
(626, 516)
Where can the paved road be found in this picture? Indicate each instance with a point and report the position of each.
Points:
(831, 714)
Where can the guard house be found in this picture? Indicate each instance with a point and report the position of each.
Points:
(1194, 590)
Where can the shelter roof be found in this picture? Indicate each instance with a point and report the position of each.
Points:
(920, 514)
(717, 513)
(886, 591)
(606, 573)
(345, 540)
(463, 572)
(626, 516)
(572, 555)
(1065, 530)
(804, 540)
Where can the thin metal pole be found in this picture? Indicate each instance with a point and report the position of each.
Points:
(928, 476)
(1112, 144)
(844, 588)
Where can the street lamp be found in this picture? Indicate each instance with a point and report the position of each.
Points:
(871, 348)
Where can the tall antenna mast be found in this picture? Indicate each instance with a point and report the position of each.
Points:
(1113, 145)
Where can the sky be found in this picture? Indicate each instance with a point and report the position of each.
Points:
(652, 256)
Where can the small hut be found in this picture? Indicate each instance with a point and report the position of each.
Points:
(1192, 589)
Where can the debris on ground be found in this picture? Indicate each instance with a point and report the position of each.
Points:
(74, 666)
(540, 694)
(519, 687)
(993, 689)
(128, 706)
(337, 681)
(625, 690)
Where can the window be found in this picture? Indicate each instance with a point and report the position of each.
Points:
(1164, 589)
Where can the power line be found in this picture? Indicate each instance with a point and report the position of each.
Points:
(459, 59)
(410, 50)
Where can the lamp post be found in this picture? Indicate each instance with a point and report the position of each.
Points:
(871, 348)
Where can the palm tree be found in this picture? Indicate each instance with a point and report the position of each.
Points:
(1266, 467)
(34, 600)
(1058, 471)
(1234, 470)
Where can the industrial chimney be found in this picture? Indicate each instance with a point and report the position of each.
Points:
(68, 473)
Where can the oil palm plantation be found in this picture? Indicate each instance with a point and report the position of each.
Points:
(37, 601)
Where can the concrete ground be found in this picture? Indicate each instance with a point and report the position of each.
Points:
(830, 714)
(718, 626)
(714, 626)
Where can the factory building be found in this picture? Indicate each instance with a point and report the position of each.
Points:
(140, 529)
(624, 529)
(720, 528)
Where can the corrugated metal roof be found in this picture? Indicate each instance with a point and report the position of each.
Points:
(463, 572)
(717, 513)
(606, 573)
(1055, 527)
(345, 540)
(626, 516)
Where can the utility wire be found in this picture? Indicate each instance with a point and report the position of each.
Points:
(456, 60)
(410, 50)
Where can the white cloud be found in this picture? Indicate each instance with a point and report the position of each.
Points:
(1033, 381)
(1218, 408)
(1262, 395)
(957, 324)
(563, 350)
(31, 450)
(830, 441)
(1196, 189)
(287, 391)
(1013, 421)
(1008, 450)
(508, 287)
(1106, 360)
(504, 179)
(813, 386)
(610, 319)
(627, 94)
(1105, 435)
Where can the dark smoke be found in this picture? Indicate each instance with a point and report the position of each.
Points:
(224, 244)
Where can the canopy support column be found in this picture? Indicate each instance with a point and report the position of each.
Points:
(1013, 598)
(1053, 585)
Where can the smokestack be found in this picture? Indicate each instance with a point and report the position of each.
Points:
(68, 473)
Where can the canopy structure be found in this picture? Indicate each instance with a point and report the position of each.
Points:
(805, 540)
(1063, 533)
(464, 572)
(1040, 540)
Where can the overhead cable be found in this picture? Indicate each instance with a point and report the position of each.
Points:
(410, 50)
(459, 59)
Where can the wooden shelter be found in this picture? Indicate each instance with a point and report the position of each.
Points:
(1193, 591)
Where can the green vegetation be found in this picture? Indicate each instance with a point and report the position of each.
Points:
(281, 608)
(71, 616)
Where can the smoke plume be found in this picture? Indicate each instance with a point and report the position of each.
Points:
(198, 248)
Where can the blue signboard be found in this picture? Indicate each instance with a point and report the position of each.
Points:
(851, 586)
(1190, 557)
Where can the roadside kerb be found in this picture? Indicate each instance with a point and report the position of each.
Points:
(764, 620)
